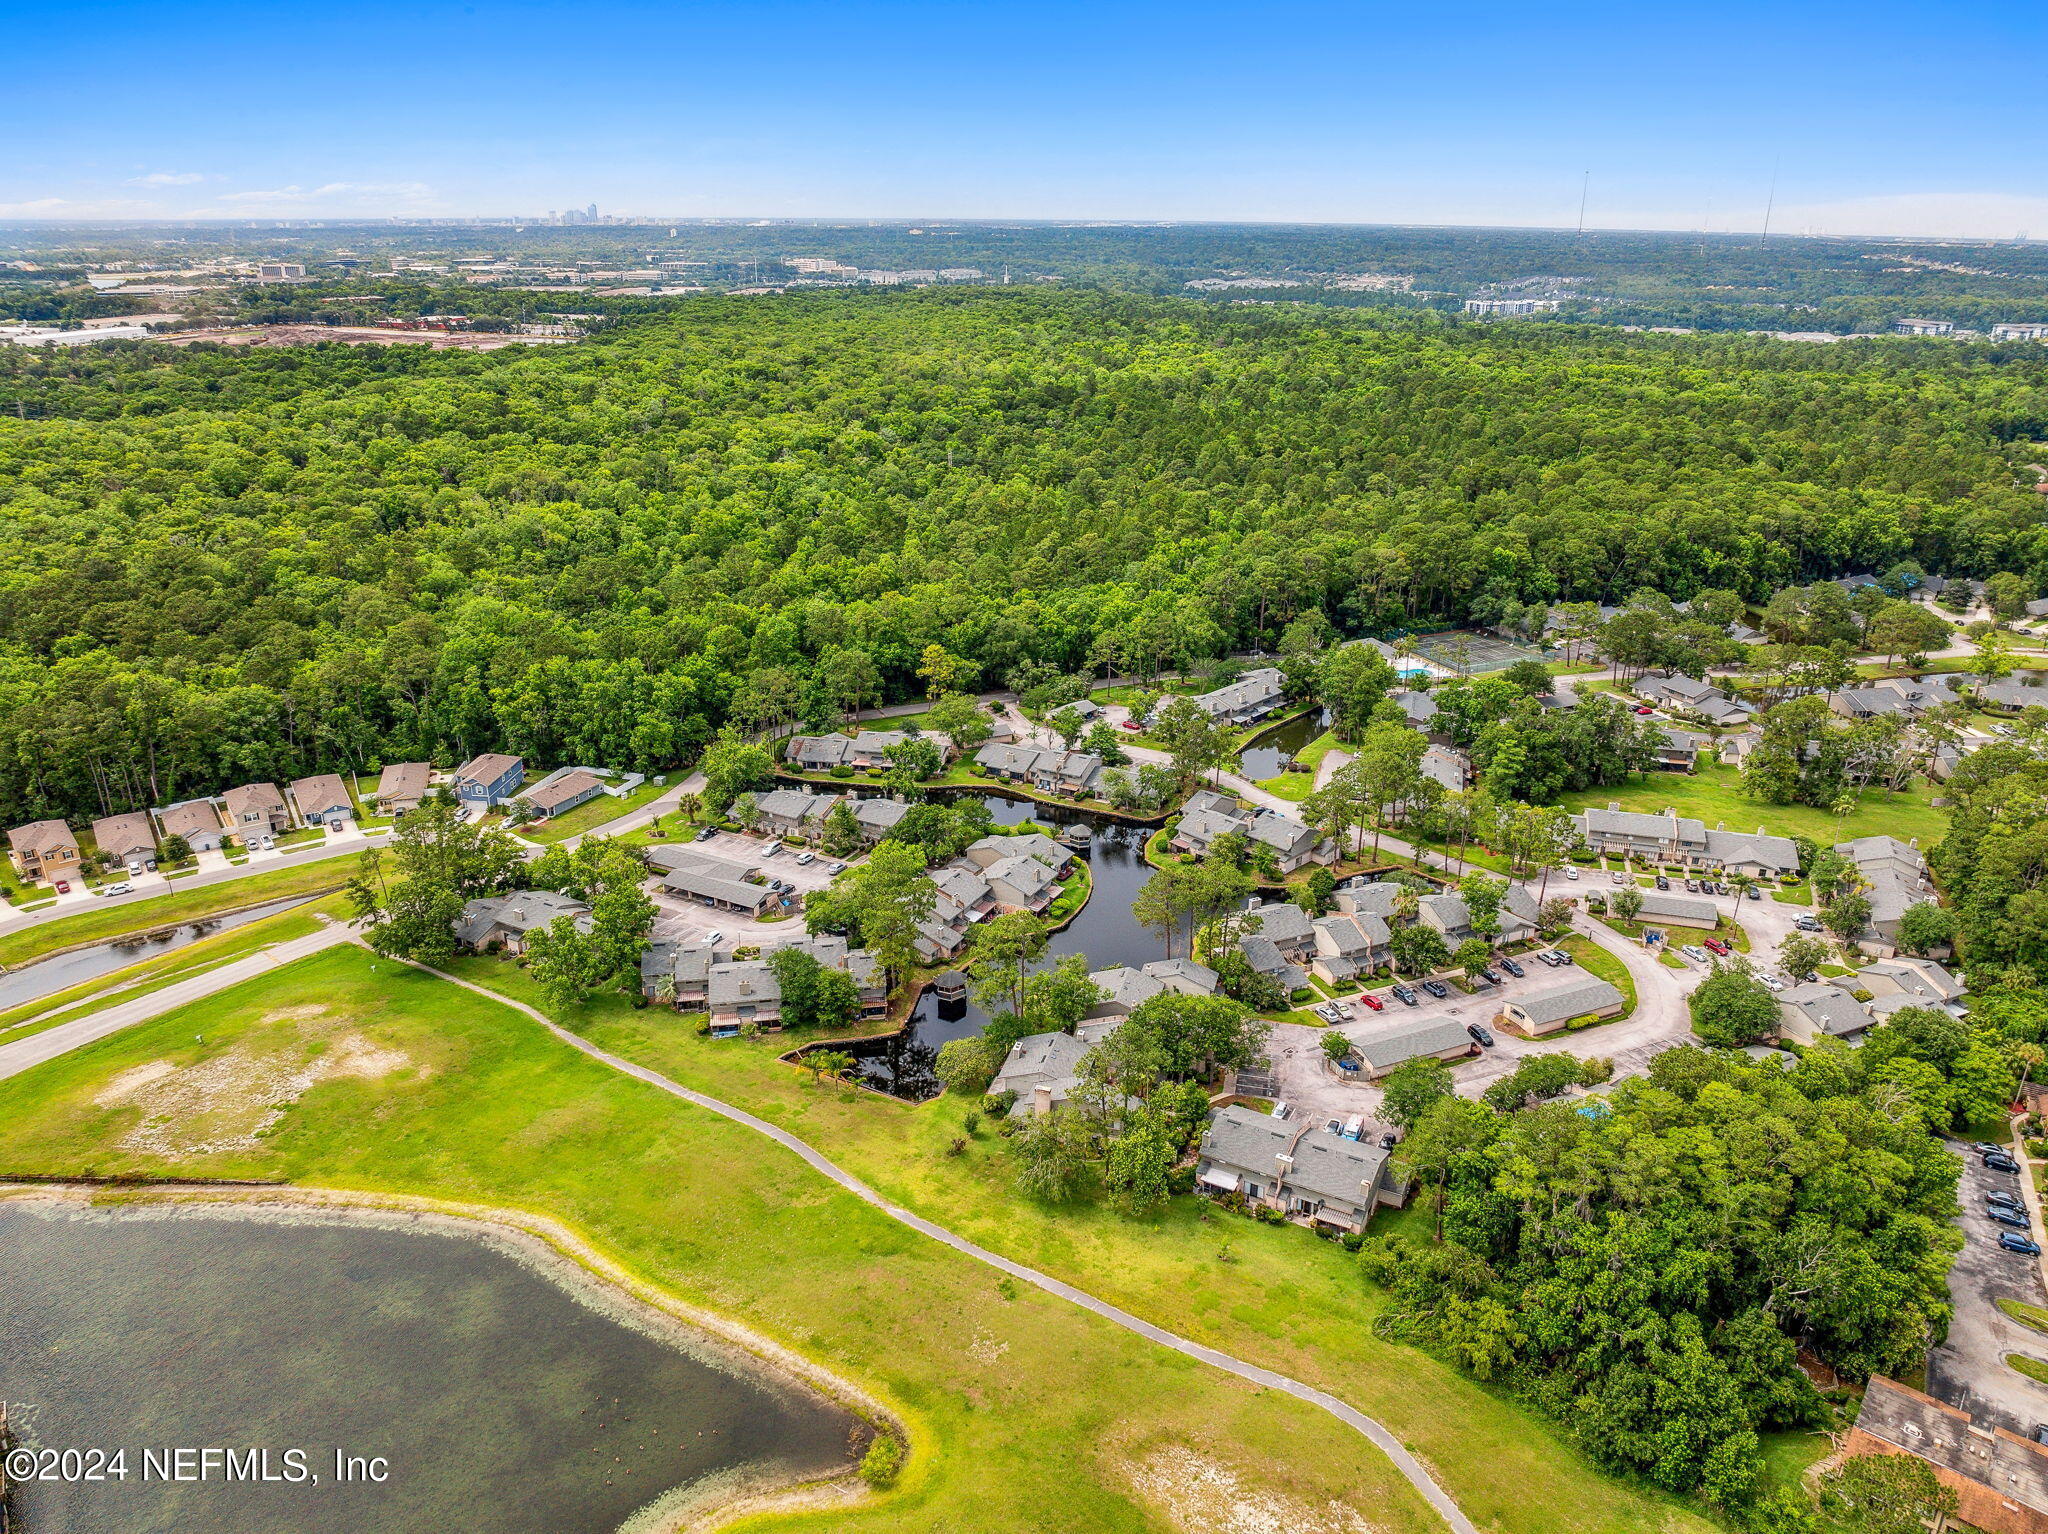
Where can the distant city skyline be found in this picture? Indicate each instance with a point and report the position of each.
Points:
(1912, 120)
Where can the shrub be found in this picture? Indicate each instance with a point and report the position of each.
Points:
(971, 1122)
(883, 1462)
(1352, 1240)
(1265, 1214)
(842, 770)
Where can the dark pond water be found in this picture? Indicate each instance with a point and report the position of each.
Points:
(50, 976)
(1105, 932)
(1273, 752)
(500, 1397)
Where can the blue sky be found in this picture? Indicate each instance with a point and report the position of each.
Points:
(1879, 118)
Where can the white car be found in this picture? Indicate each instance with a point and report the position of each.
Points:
(1772, 982)
(1572, 874)
(836, 868)
(805, 857)
(123, 888)
(1694, 952)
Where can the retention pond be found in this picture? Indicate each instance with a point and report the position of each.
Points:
(501, 1387)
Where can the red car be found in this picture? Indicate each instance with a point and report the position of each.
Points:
(1374, 1002)
(1129, 725)
(1715, 945)
(1644, 708)
(63, 887)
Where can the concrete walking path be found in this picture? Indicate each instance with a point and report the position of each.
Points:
(24, 1054)
(1381, 1437)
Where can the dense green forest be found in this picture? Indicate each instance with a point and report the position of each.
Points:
(227, 565)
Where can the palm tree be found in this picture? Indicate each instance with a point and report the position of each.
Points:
(1742, 884)
(691, 806)
(828, 1062)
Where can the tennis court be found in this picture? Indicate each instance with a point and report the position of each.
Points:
(1461, 650)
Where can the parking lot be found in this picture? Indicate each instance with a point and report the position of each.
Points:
(677, 912)
(1969, 1370)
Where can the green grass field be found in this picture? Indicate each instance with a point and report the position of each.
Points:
(1027, 1414)
(179, 905)
(1714, 795)
(1602, 965)
(588, 817)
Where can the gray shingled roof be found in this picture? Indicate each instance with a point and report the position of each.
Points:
(1424, 1036)
(1574, 998)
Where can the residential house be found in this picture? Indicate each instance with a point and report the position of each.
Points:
(1420, 708)
(1807, 1013)
(509, 921)
(1290, 1165)
(1674, 839)
(256, 809)
(817, 753)
(1295, 843)
(125, 840)
(1448, 914)
(1383, 898)
(1671, 909)
(748, 991)
(713, 885)
(938, 938)
(1206, 819)
(489, 779)
(685, 964)
(1285, 925)
(43, 849)
(323, 799)
(1021, 883)
(1921, 982)
(1348, 945)
(1869, 703)
(991, 850)
(195, 821)
(1251, 697)
(690, 855)
(1999, 1477)
(1448, 767)
(1427, 1038)
(559, 793)
(794, 812)
(1073, 774)
(875, 748)
(1897, 877)
(1130, 988)
(1679, 750)
(878, 817)
(1689, 695)
(1548, 1010)
(2010, 697)
(1042, 1069)
(401, 787)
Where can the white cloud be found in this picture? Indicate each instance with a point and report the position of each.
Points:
(350, 194)
(166, 178)
(65, 207)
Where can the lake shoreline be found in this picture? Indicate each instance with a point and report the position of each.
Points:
(561, 1256)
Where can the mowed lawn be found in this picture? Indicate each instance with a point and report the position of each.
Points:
(1027, 1414)
(1714, 795)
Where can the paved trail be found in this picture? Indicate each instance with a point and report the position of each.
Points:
(23, 1054)
(1380, 1436)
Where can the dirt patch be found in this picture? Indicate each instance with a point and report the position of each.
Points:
(1204, 1497)
(231, 1100)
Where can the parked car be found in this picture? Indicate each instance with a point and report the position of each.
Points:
(1694, 952)
(1489, 977)
(836, 868)
(2007, 1200)
(2013, 1241)
(1354, 1128)
(2001, 1164)
(1617, 877)
(1333, 1126)
(1513, 968)
(1373, 1002)
(1436, 988)
(63, 886)
(1404, 995)
(1480, 1035)
(1644, 708)
(1771, 982)
(1716, 946)
(136, 870)
(704, 834)
(123, 888)
(2008, 1219)
(1755, 893)
(1663, 883)
(1692, 886)
(1281, 1110)
(1329, 1013)
(1572, 874)
(1389, 1140)
(1563, 958)
(772, 850)
(1806, 924)
(805, 857)
(1130, 725)
(1549, 956)
(1986, 1148)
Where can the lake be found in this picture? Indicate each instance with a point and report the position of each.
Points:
(1105, 931)
(1275, 750)
(505, 1388)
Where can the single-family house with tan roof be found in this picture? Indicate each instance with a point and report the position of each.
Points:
(129, 840)
(256, 809)
(43, 849)
(196, 822)
(323, 799)
(401, 787)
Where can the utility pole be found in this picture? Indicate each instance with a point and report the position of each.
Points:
(1770, 203)
(1585, 186)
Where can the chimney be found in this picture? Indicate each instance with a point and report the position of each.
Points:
(1614, 806)
(1041, 1099)
(1282, 1165)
